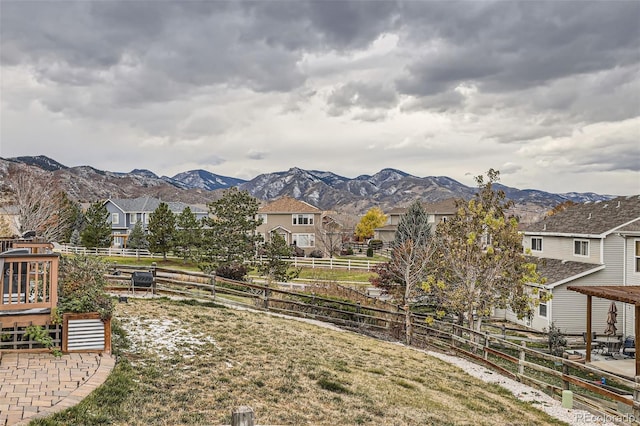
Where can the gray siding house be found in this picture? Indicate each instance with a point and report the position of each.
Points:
(125, 212)
(585, 245)
(437, 211)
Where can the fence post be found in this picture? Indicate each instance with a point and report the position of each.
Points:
(153, 272)
(522, 358)
(242, 416)
(266, 296)
(565, 370)
(212, 280)
(487, 344)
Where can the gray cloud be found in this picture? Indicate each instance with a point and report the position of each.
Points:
(524, 83)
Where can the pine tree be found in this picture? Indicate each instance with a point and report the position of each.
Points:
(188, 234)
(162, 227)
(273, 265)
(137, 238)
(230, 236)
(97, 227)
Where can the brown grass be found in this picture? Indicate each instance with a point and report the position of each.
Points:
(201, 362)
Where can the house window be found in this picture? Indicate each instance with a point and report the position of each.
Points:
(542, 307)
(536, 243)
(581, 247)
(304, 240)
(303, 219)
(115, 218)
(262, 217)
(637, 255)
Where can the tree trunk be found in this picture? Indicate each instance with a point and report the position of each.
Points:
(407, 324)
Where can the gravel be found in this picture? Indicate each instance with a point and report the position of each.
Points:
(526, 393)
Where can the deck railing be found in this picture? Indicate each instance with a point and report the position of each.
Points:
(28, 281)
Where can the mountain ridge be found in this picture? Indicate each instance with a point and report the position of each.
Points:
(388, 188)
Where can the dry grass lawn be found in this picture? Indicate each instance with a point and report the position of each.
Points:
(193, 364)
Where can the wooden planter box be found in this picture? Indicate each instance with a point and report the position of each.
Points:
(86, 333)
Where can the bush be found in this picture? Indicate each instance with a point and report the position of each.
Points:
(81, 286)
(347, 251)
(369, 251)
(232, 271)
(317, 254)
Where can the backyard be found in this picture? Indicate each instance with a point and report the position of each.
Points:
(188, 363)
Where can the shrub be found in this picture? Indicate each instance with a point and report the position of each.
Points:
(369, 251)
(81, 286)
(316, 253)
(232, 271)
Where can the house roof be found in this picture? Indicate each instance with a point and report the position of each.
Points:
(149, 204)
(599, 218)
(288, 204)
(447, 206)
(559, 272)
(619, 293)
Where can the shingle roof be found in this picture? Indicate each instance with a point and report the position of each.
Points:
(557, 271)
(288, 204)
(590, 218)
(149, 204)
(447, 206)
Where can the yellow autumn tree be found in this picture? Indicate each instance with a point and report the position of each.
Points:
(374, 218)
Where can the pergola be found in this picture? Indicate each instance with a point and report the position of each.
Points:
(618, 293)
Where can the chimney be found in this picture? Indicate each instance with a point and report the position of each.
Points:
(618, 206)
(544, 227)
(589, 216)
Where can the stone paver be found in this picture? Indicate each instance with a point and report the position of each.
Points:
(39, 384)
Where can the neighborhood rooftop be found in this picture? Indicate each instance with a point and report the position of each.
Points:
(288, 205)
(590, 218)
(146, 204)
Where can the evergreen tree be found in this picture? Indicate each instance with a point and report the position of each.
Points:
(273, 265)
(162, 228)
(188, 234)
(97, 227)
(75, 238)
(137, 238)
(230, 235)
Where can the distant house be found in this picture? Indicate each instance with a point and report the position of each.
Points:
(438, 211)
(585, 245)
(296, 221)
(125, 213)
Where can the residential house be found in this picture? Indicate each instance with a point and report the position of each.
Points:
(585, 245)
(125, 213)
(438, 211)
(296, 221)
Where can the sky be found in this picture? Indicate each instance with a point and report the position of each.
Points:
(546, 92)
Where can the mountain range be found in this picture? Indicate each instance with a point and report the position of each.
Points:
(386, 189)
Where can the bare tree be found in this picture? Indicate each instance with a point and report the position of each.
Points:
(41, 206)
(330, 237)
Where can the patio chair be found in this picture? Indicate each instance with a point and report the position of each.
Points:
(629, 347)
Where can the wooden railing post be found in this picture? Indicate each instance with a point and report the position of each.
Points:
(266, 296)
(242, 416)
(487, 344)
(522, 358)
(636, 398)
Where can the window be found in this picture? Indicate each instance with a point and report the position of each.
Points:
(115, 218)
(303, 219)
(637, 255)
(542, 307)
(581, 247)
(536, 244)
(262, 217)
(304, 240)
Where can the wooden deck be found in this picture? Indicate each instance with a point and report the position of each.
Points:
(620, 367)
(28, 287)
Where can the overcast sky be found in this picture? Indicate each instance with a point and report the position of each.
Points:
(548, 93)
